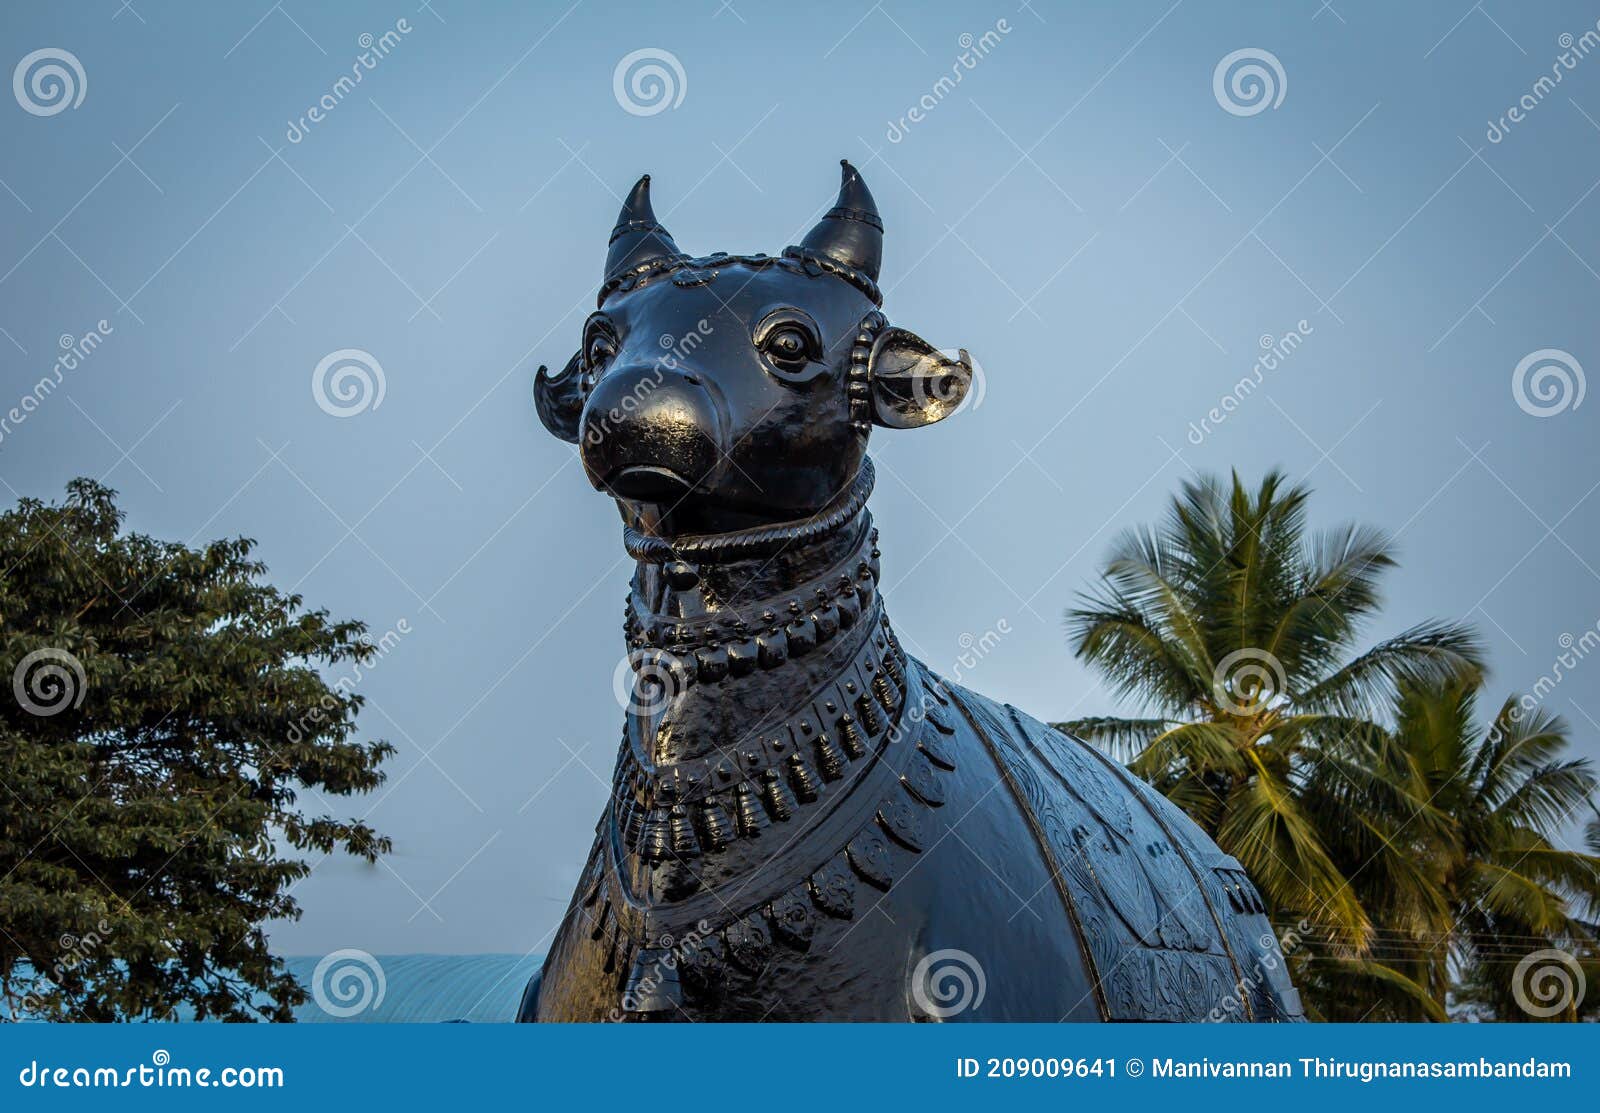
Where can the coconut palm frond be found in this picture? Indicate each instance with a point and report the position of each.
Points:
(1507, 892)
(1547, 797)
(1427, 655)
(1279, 847)
(1133, 656)
(1123, 739)
(1200, 749)
(1405, 994)
(1522, 741)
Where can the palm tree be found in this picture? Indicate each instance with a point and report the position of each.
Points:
(1236, 629)
(1514, 893)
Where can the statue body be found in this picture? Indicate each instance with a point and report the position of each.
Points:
(806, 823)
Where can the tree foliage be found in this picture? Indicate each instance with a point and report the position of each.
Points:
(1512, 888)
(168, 751)
(1405, 852)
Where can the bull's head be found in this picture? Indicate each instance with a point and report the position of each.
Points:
(723, 392)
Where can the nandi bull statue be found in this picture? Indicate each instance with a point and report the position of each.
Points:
(805, 823)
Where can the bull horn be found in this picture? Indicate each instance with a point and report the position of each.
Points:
(851, 232)
(638, 238)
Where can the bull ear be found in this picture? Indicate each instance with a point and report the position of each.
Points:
(912, 383)
(559, 400)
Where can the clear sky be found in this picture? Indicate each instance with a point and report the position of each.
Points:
(1083, 212)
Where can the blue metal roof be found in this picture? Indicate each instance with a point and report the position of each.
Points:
(427, 989)
(417, 989)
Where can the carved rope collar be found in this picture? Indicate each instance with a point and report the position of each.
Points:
(762, 541)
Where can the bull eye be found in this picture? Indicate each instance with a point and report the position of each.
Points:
(600, 351)
(787, 345)
(788, 342)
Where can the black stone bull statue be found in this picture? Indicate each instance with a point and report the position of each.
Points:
(805, 823)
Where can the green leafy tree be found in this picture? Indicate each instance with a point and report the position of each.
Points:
(164, 718)
(1238, 631)
(1513, 887)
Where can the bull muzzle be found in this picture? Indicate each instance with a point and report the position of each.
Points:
(650, 434)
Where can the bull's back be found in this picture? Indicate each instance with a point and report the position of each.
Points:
(1171, 929)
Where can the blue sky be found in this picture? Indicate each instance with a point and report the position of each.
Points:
(1082, 212)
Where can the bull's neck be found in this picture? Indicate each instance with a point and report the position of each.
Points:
(766, 682)
(726, 645)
